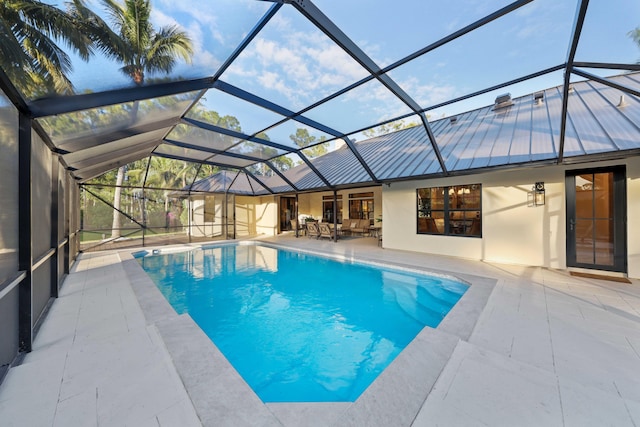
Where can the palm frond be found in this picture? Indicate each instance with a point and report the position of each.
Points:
(56, 23)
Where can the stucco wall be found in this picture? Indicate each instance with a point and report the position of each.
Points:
(512, 232)
(310, 204)
(267, 216)
(200, 227)
(633, 216)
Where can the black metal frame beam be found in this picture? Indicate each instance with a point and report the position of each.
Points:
(213, 151)
(286, 113)
(606, 82)
(248, 39)
(281, 175)
(324, 24)
(234, 134)
(55, 195)
(67, 104)
(14, 95)
(459, 33)
(498, 86)
(129, 217)
(205, 162)
(261, 102)
(608, 65)
(249, 174)
(575, 38)
(25, 248)
(314, 169)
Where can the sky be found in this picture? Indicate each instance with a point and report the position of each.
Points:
(295, 65)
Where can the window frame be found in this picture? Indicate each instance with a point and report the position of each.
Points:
(358, 200)
(327, 202)
(457, 221)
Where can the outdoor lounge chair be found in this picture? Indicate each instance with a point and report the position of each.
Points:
(326, 231)
(346, 226)
(295, 225)
(359, 226)
(313, 230)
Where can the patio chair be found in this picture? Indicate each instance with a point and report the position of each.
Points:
(346, 226)
(313, 230)
(295, 225)
(360, 226)
(326, 231)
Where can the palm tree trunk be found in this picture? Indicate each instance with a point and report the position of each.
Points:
(116, 225)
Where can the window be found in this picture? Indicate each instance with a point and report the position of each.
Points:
(455, 210)
(327, 208)
(361, 205)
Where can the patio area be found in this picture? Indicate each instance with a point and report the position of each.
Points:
(547, 349)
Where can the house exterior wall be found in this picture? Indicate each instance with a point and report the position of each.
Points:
(198, 226)
(256, 215)
(310, 204)
(511, 232)
(267, 215)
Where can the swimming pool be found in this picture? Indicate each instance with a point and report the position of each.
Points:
(297, 327)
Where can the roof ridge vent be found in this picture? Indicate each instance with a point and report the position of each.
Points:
(538, 98)
(623, 102)
(503, 101)
(453, 120)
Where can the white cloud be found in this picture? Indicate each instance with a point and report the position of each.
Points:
(308, 66)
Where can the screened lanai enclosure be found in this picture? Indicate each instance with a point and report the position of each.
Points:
(284, 98)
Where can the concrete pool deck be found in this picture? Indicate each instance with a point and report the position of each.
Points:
(542, 348)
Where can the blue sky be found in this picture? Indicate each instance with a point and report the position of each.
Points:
(294, 65)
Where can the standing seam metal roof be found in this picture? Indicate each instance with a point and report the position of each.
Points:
(520, 134)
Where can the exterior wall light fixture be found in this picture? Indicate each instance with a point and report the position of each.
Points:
(536, 196)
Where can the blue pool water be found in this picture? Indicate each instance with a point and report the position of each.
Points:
(297, 327)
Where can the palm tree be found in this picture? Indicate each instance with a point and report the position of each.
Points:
(635, 36)
(135, 43)
(29, 54)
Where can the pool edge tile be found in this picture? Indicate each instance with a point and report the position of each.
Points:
(396, 396)
(219, 394)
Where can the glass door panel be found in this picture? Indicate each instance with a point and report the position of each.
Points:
(596, 208)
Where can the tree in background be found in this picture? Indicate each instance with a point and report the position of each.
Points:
(388, 128)
(141, 49)
(29, 52)
(317, 146)
(635, 36)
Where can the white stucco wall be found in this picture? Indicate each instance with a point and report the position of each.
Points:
(633, 216)
(199, 227)
(512, 232)
(256, 215)
(310, 204)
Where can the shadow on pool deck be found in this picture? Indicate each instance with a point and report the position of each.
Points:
(541, 348)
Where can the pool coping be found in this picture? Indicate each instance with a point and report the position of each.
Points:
(221, 397)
